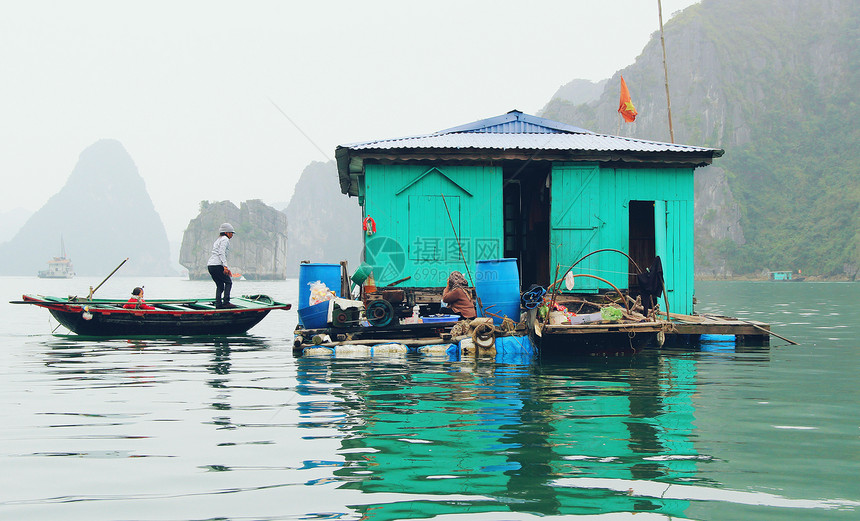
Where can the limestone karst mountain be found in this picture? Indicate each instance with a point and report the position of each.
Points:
(103, 213)
(324, 225)
(14, 219)
(258, 251)
(772, 83)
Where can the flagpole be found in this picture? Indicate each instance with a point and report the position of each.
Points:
(665, 71)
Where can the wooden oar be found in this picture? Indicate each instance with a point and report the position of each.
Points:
(768, 331)
(90, 296)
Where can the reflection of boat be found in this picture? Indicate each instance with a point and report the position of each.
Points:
(99, 317)
(59, 267)
(785, 276)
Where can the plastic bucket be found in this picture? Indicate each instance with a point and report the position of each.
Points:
(497, 284)
(328, 274)
(364, 270)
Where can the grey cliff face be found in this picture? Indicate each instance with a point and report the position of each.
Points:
(324, 225)
(767, 81)
(258, 250)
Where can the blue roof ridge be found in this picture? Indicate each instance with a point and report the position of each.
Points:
(513, 115)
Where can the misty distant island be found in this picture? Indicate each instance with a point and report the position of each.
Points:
(90, 214)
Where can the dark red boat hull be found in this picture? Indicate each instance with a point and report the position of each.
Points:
(101, 321)
(150, 324)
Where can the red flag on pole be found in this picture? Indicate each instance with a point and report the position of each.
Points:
(625, 106)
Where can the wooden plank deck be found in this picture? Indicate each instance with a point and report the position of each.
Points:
(609, 327)
(680, 329)
(745, 331)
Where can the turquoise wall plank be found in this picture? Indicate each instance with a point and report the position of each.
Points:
(414, 235)
(590, 210)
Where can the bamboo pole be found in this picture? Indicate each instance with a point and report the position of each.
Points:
(466, 264)
(457, 238)
(665, 70)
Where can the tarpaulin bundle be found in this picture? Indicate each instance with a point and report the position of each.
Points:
(533, 297)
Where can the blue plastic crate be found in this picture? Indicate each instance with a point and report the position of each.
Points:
(440, 318)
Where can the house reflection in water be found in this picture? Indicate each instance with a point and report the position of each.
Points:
(503, 438)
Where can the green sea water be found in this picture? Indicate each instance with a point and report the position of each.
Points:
(242, 429)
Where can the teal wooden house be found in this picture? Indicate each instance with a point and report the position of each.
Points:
(524, 187)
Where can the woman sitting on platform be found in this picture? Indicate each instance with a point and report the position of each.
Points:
(456, 296)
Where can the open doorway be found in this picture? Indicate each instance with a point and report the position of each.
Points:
(642, 248)
(526, 219)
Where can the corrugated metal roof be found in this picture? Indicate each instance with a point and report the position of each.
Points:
(555, 141)
(516, 130)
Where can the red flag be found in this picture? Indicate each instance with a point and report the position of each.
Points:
(625, 106)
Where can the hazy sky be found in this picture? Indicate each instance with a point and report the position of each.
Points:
(186, 86)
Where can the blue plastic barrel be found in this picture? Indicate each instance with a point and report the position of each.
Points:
(497, 284)
(328, 274)
(715, 342)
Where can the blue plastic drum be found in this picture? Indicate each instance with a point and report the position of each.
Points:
(328, 274)
(497, 285)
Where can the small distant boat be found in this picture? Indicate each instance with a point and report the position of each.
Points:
(108, 318)
(59, 267)
(785, 276)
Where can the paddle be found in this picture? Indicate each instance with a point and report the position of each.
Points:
(90, 296)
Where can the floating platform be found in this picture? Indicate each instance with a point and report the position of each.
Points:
(545, 340)
(429, 339)
(407, 334)
(679, 330)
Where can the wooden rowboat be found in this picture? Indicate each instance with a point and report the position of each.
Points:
(108, 318)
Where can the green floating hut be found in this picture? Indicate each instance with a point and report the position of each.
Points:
(524, 187)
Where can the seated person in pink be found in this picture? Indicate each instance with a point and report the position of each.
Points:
(456, 295)
(136, 301)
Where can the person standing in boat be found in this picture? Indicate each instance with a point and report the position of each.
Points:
(218, 269)
(136, 301)
(456, 296)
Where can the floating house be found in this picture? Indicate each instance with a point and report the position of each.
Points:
(784, 276)
(519, 186)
